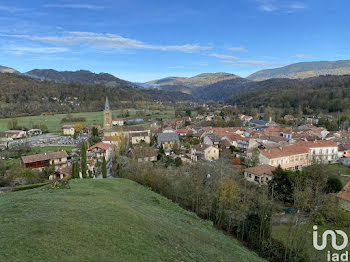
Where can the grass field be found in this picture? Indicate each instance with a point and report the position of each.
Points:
(338, 170)
(53, 122)
(107, 220)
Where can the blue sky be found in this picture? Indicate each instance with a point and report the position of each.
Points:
(146, 40)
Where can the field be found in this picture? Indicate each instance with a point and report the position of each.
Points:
(54, 124)
(339, 170)
(107, 220)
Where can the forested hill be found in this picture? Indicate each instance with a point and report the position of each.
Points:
(304, 70)
(82, 76)
(21, 95)
(323, 93)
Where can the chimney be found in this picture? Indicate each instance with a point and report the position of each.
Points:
(270, 119)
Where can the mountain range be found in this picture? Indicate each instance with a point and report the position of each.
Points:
(208, 86)
(304, 70)
(82, 76)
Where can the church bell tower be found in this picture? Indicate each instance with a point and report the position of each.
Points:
(107, 116)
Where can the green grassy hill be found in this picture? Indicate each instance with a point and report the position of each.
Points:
(107, 220)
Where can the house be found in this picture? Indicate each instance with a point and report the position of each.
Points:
(169, 130)
(100, 150)
(48, 159)
(118, 122)
(61, 173)
(300, 154)
(168, 140)
(138, 137)
(344, 197)
(345, 149)
(246, 143)
(68, 130)
(212, 140)
(144, 154)
(246, 119)
(88, 129)
(182, 131)
(34, 132)
(15, 134)
(204, 152)
(261, 174)
(132, 134)
(258, 122)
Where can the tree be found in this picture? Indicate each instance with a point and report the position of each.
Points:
(12, 124)
(334, 185)
(78, 127)
(255, 157)
(104, 168)
(178, 162)
(94, 131)
(83, 160)
(281, 186)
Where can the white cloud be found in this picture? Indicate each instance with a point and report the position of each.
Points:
(19, 50)
(237, 49)
(243, 62)
(302, 56)
(224, 56)
(12, 9)
(77, 6)
(109, 41)
(276, 6)
(176, 67)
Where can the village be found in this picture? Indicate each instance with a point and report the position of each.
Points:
(256, 147)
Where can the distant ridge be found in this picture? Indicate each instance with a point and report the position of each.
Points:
(195, 81)
(304, 70)
(82, 76)
(4, 69)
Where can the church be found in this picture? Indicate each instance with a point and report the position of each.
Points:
(131, 134)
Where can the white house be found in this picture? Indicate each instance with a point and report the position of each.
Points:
(68, 130)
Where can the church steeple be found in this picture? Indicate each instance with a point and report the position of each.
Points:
(107, 107)
(107, 116)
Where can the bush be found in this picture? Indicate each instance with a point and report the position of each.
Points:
(31, 186)
(334, 185)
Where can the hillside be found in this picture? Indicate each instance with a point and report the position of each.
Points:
(304, 70)
(82, 76)
(317, 94)
(195, 81)
(107, 220)
(22, 95)
(4, 69)
(222, 89)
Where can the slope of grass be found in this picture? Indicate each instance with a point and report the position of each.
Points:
(107, 220)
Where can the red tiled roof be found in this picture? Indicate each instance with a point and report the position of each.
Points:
(297, 148)
(43, 157)
(100, 145)
(261, 170)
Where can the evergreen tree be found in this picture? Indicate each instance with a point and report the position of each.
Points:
(83, 160)
(104, 168)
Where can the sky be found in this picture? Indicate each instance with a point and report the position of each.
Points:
(144, 40)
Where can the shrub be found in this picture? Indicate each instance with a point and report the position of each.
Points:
(31, 186)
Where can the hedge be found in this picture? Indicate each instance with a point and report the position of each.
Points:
(31, 186)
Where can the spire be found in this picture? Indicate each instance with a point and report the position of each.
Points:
(107, 107)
